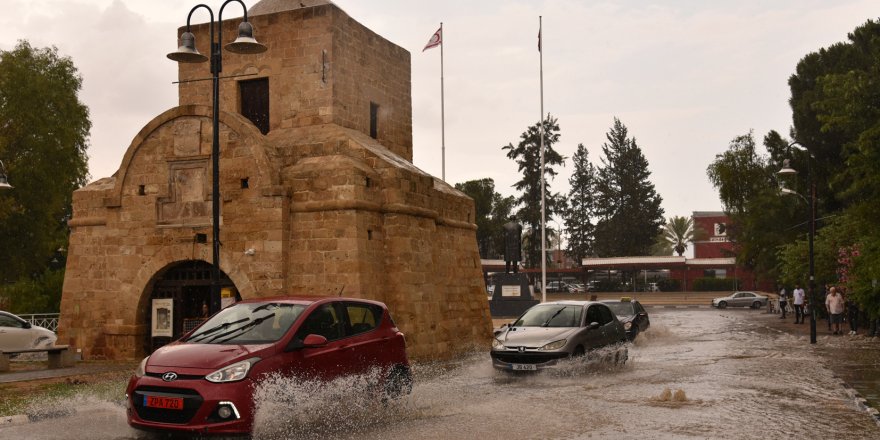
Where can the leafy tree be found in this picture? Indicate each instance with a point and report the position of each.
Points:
(527, 155)
(747, 185)
(628, 206)
(43, 139)
(492, 211)
(581, 206)
(679, 231)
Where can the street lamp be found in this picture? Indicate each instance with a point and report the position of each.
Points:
(187, 53)
(786, 171)
(4, 181)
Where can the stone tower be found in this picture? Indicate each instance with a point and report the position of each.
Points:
(318, 195)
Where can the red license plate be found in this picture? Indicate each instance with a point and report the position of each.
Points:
(163, 402)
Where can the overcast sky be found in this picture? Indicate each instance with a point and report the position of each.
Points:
(684, 76)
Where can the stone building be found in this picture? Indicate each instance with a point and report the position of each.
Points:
(318, 196)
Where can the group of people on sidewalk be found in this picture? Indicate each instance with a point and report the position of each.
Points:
(838, 310)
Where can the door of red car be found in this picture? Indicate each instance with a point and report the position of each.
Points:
(368, 345)
(325, 362)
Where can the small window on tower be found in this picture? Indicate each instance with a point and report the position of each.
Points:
(374, 120)
(255, 102)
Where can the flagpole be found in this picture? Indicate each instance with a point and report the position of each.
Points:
(442, 111)
(543, 208)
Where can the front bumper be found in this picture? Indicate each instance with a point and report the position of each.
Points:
(509, 360)
(201, 401)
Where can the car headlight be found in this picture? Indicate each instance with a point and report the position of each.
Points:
(142, 368)
(555, 345)
(497, 345)
(232, 373)
(627, 325)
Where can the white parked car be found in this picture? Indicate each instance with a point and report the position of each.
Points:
(18, 334)
(741, 299)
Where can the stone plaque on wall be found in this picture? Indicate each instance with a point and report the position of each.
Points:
(188, 201)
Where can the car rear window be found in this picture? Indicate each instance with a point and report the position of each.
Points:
(363, 317)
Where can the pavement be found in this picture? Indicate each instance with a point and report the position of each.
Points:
(81, 369)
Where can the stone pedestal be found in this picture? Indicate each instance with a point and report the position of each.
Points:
(512, 296)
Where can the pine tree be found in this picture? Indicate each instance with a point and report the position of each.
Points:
(628, 208)
(527, 155)
(581, 207)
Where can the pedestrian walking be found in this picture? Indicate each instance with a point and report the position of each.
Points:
(852, 311)
(826, 290)
(834, 303)
(783, 302)
(798, 300)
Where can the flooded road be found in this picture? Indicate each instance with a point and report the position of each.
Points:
(694, 374)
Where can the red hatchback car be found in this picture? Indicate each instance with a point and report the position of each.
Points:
(204, 382)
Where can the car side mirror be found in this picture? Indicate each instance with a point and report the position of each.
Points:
(593, 326)
(26, 325)
(314, 341)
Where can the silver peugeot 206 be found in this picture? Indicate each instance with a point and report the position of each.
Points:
(549, 332)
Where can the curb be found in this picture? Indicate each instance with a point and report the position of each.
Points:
(670, 306)
(15, 420)
(21, 419)
(859, 401)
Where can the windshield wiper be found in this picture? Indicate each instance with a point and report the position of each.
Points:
(245, 329)
(215, 328)
(547, 322)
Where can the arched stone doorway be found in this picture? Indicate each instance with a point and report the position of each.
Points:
(177, 299)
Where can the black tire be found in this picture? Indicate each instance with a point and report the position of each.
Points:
(722, 305)
(633, 333)
(399, 382)
(756, 305)
(578, 352)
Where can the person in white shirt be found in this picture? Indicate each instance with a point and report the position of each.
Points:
(798, 299)
(834, 303)
(783, 302)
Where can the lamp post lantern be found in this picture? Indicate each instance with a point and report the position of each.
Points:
(187, 53)
(786, 171)
(4, 180)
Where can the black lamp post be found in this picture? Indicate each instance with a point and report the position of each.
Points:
(187, 53)
(787, 170)
(4, 180)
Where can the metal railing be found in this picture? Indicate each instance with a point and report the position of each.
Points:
(45, 320)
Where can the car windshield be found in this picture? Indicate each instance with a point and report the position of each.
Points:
(551, 315)
(621, 308)
(248, 323)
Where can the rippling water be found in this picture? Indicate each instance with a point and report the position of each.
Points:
(694, 374)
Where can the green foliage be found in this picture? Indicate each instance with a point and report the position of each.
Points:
(834, 96)
(714, 284)
(527, 156)
(669, 285)
(43, 140)
(581, 206)
(41, 294)
(679, 231)
(628, 206)
(492, 211)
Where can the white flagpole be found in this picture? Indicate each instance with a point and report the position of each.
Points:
(442, 110)
(543, 209)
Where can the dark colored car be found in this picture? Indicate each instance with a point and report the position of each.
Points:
(549, 332)
(632, 315)
(203, 383)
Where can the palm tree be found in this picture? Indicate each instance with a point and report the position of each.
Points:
(679, 231)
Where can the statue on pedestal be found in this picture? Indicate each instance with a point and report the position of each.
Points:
(512, 245)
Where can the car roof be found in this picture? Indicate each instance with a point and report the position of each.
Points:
(570, 303)
(611, 301)
(308, 300)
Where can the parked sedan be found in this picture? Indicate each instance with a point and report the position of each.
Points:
(203, 383)
(550, 332)
(632, 315)
(741, 299)
(18, 334)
